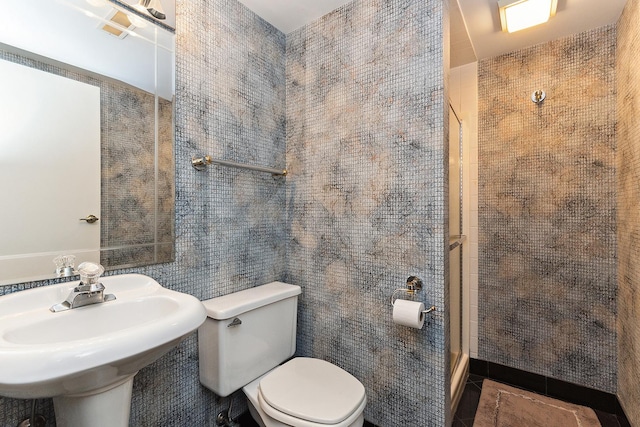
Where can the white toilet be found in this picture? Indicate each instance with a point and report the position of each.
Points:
(247, 335)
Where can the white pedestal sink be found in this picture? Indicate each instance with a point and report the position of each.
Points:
(86, 358)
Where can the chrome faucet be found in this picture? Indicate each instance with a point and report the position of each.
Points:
(89, 291)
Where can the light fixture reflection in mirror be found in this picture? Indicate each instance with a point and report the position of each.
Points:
(153, 8)
(134, 79)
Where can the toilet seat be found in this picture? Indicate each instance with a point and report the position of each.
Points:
(306, 392)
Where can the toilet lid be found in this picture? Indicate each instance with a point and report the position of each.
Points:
(313, 390)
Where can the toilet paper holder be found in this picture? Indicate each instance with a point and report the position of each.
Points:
(414, 284)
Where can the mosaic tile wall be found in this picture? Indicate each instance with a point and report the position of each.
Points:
(628, 162)
(230, 225)
(365, 122)
(547, 210)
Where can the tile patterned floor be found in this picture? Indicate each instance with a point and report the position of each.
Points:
(469, 404)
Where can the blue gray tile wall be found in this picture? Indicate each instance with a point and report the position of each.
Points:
(230, 225)
(365, 197)
(628, 162)
(547, 210)
(232, 106)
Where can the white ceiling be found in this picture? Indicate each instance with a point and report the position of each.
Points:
(480, 17)
(289, 15)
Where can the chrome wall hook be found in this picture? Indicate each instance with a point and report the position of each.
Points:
(538, 96)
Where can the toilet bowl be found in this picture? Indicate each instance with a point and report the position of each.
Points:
(306, 392)
(243, 341)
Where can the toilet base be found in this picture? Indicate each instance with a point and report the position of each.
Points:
(256, 415)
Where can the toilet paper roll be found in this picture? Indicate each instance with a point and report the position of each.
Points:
(408, 313)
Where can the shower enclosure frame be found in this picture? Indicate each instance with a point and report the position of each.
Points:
(458, 295)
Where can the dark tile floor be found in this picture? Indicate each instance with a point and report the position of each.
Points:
(466, 409)
(469, 403)
(245, 420)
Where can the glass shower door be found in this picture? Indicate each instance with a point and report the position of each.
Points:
(455, 237)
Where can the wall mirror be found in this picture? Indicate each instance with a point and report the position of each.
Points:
(86, 148)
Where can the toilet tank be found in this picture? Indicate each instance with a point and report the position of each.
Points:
(246, 334)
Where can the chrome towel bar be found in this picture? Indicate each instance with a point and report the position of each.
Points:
(200, 163)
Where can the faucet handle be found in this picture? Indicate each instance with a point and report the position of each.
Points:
(90, 272)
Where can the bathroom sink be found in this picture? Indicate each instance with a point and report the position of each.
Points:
(47, 354)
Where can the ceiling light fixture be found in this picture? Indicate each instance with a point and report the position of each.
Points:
(516, 15)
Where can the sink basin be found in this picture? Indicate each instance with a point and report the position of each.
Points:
(89, 349)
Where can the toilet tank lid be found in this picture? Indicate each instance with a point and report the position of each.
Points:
(228, 306)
